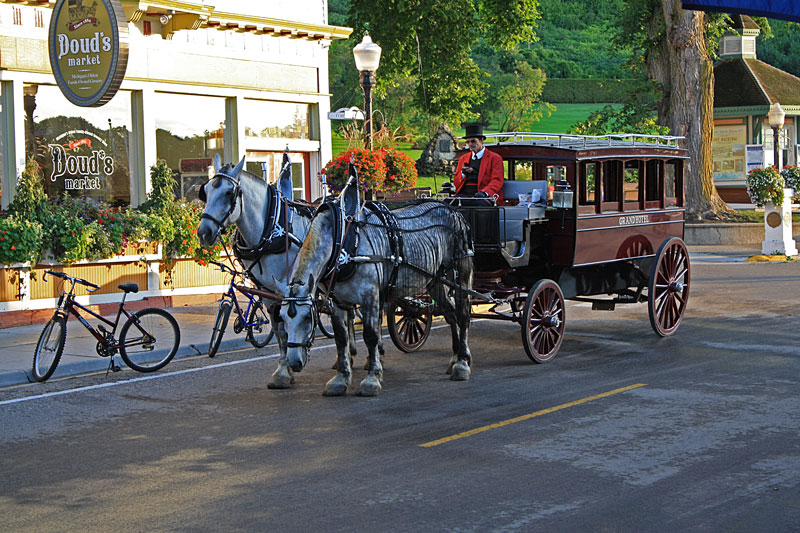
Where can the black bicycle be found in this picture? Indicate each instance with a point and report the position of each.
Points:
(257, 324)
(147, 341)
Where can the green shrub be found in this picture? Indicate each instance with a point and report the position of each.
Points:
(20, 240)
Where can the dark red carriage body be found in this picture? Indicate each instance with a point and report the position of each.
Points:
(627, 200)
(595, 219)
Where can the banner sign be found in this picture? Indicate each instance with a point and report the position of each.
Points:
(776, 9)
(88, 46)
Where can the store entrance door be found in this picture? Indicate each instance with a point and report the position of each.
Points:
(268, 165)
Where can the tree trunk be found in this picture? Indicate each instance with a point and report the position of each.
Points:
(683, 67)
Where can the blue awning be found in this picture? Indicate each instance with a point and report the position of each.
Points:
(775, 9)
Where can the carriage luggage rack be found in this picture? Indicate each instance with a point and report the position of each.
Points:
(565, 140)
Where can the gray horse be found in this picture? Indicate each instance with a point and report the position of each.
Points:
(235, 196)
(414, 249)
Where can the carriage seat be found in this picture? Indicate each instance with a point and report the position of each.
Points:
(513, 188)
(513, 216)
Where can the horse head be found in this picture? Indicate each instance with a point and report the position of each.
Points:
(299, 316)
(222, 195)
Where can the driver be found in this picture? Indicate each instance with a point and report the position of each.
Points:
(480, 172)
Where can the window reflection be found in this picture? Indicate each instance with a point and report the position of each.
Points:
(275, 120)
(83, 151)
(189, 132)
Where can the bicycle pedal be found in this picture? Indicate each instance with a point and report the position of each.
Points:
(116, 368)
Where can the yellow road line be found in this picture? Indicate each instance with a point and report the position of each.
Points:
(528, 416)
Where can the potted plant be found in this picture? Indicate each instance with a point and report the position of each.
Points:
(765, 185)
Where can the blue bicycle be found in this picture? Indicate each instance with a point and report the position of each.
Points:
(254, 318)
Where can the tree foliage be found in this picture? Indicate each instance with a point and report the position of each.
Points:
(433, 41)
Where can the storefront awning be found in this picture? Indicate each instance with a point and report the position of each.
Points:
(776, 9)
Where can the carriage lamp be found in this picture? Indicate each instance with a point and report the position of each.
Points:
(562, 195)
(368, 56)
(776, 117)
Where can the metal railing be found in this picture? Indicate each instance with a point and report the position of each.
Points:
(565, 140)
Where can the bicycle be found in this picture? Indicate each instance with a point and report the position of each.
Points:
(148, 340)
(257, 324)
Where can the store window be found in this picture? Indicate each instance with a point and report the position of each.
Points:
(274, 120)
(189, 133)
(83, 151)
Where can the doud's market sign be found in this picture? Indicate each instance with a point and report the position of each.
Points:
(88, 47)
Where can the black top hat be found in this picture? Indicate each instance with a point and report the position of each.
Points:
(473, 130)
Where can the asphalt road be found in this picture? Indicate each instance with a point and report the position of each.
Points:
(623, 431)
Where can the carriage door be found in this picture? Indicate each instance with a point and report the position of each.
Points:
(268, 165)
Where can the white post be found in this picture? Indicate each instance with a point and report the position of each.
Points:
(778, 227)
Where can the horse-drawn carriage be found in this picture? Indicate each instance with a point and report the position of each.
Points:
(594, 219)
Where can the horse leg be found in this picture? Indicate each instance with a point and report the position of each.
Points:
(283, 377)
(463, 318)
(459, 366)
(338, 384)
(351, 344)
(371, 385)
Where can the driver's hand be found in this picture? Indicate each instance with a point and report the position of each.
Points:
(481, 194)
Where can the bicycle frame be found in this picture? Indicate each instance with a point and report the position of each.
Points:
(69, 306)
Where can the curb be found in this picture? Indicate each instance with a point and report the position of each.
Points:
(98, 364)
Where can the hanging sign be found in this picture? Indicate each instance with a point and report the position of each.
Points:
(88, 46)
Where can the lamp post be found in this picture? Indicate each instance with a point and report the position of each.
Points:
(368, 56)
(776, 117)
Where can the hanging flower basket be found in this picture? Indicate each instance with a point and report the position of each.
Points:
(765, 185)
(791, 176)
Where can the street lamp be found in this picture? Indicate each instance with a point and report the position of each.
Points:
(368, 56)
(776, 117)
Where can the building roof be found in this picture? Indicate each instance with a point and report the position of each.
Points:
(750, 82)
(743, 22)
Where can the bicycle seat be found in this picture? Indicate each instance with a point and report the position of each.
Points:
(129, 287)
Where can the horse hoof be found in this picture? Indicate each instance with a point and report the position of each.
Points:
(371, 386)
(280, 380)
(336, 386)
(461, 372)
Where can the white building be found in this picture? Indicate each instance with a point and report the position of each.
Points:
(234, 77)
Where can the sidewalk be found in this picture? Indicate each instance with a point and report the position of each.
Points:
(17, 343)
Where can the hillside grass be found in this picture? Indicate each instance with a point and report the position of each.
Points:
(559, 121)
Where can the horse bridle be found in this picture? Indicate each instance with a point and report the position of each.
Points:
(237, 195)
(302, 300)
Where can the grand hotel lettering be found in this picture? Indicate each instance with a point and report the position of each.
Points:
(80, 171)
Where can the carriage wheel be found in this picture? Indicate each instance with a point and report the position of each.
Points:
(668, 289)
(543, 321)
(409, 326)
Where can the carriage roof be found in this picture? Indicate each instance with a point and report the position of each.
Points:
(533, 145)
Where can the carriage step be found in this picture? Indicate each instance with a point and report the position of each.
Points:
(603, 305)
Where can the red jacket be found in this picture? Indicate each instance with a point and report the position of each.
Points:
(490, 176)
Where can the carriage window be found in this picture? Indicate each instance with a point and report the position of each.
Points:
(652, 184)
(672, 183)
(631, 183)
(588, 185)
(523, 170)
(188, 140)
(611, 184)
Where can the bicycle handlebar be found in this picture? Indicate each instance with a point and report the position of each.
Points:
(80, 281)
(224, 268)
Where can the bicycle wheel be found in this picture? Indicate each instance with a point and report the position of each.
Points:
(49, 348)
(259, 328)
(324, 316)
(220, 324)
(149, 340)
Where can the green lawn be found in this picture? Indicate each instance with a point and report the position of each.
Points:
(559, 121)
